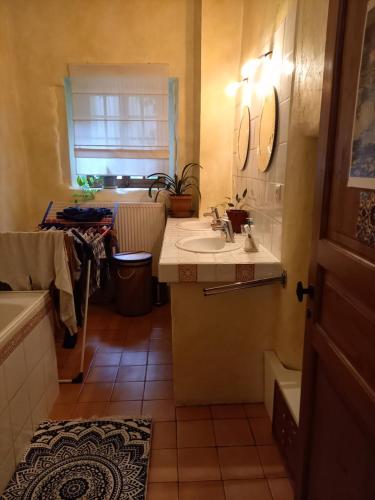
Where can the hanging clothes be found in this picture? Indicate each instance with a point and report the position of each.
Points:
(34, 261)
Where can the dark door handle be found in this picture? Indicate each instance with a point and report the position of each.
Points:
(300, 291)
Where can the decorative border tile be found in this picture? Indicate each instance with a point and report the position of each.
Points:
(24, 331)
(188, 273)
(244, 272)
(366, 218)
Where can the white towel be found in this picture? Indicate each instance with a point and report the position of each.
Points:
(42, 257)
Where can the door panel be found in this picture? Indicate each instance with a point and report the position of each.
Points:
(346, 322)
(337, 420)
(335, 452)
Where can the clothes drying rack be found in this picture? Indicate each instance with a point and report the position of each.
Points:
(50, 219)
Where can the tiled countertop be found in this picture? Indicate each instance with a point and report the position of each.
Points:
(176, 265)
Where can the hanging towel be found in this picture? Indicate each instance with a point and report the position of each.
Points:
(39, 258)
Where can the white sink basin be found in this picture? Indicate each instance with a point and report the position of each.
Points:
(211, 244)
(195, 225)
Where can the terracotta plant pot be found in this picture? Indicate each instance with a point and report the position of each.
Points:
(237, 218)
(181, 205)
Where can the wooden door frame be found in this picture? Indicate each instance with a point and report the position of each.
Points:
(326, 149)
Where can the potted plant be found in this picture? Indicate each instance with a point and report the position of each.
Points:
(88, 185)
(236, 214)
(178, 188)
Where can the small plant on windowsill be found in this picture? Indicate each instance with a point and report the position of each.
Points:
(235, 210)
(89, 185)
(179, 188)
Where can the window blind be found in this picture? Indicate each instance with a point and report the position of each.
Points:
(120, 118)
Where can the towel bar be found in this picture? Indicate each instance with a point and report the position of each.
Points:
(240, 285)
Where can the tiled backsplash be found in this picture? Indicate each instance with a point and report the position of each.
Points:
(265, 196)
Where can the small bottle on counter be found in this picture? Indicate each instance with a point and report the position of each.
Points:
(250, 245)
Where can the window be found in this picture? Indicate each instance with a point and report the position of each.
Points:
(121, 121)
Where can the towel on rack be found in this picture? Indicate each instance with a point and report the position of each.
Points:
(39, 257)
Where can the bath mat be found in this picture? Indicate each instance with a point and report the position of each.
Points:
(84, 459)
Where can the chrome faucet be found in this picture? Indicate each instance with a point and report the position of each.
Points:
(215, 216)
(225, 226)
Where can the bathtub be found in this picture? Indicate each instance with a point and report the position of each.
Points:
(28, 372)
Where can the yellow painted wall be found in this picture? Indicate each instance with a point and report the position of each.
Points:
(49, 34)
(300, 174)
(13, 171)
(220, 51)
(218, 343)
(261, 18)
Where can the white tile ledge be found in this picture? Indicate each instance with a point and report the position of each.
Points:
(177, 265)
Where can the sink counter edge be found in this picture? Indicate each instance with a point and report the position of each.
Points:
(177, 265)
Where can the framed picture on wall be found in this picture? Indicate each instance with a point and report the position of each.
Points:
(362, 168)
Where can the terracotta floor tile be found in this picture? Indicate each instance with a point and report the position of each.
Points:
(159, 372)
(162, 491)
(127, 391)
(198, 464)
(132, 344)
(124, 408)
(160, 345)
(89, 410)
(202, 490)
(68, 393)
(96, 392)
(195, 433)
(160, 333)
(256, 410)
(272, 463)
(131, 373)
(102, 374)
(61, 411)
(262, 430)
(107, 359)
(281, 489)
(240, 462)
(227, 411)
(159, 410)
(251, 489)
(161, 389)
(111, 346)
(134, 358)
(164, 435)
(163, 466)
(193, 413)
(233, 432)
(160, 358)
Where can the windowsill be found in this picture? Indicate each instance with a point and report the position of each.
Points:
(112, 190)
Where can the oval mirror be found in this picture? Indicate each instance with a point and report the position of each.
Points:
(243, 139)
(267, 130)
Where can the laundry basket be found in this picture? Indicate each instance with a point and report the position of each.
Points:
(133, 283)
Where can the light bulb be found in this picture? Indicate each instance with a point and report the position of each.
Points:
(249, 68)
(231, 88)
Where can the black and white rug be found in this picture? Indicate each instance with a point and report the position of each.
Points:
(84, 460)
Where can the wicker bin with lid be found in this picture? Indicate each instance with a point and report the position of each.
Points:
(133, 283)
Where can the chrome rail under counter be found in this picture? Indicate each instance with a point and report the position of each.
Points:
(181, 266)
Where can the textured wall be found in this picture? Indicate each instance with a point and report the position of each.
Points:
(220, 52)
(300, 174)
(52, 33)
(297, 165)
(13, 171)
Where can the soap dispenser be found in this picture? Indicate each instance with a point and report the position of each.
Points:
(250, 244)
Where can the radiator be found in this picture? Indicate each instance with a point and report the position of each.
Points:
(140, 226)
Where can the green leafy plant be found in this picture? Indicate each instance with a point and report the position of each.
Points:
(238, 203)
(176, 185)
(89, 185)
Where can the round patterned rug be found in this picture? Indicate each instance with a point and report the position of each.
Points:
(84, 460)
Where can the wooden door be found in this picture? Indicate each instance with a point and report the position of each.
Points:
(337, 422)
